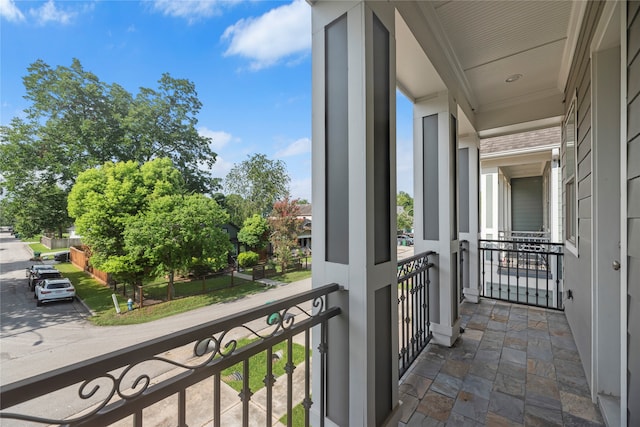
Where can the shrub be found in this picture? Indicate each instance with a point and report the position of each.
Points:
(247, 259)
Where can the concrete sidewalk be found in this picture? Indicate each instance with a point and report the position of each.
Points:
(268, 282)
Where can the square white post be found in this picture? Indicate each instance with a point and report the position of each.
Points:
(469, 229)
(354, 209)
(436, 207)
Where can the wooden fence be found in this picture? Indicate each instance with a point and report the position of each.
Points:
(80, 259)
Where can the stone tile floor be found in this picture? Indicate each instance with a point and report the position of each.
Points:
(513, 366)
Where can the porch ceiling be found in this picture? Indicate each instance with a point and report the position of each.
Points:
(472, 48)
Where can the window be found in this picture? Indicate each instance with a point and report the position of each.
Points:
(569, 175)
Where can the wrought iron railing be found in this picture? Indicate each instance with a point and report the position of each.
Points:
(522, 272)
(135, 383)
(413, 307)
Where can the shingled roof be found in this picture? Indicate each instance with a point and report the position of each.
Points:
(520, 141)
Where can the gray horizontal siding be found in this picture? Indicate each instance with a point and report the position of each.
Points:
(633, 212)
(578, 269)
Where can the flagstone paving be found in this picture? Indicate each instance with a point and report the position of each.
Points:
(513, 366)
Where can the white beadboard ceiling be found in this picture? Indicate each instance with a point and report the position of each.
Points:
(476, 45)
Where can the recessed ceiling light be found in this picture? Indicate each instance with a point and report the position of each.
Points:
(512, 78)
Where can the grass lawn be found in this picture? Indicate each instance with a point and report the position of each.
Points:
(39, 247)
(98, 298)
(298, 416)
(258, 366)
(292, 276)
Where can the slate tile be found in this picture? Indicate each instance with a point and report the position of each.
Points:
(509, 385)
(415, 385)
(471, 406)
(512, 355)
(478, 386)
(446, 384)
(507, 406)
(455, 368)
(541, 368)
(436, 406)
(580, 406)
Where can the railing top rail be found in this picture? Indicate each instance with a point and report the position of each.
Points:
(519, 242)
(416, 257)
(94, 367)
(412, 266)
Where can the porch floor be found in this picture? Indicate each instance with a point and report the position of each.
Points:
(513, 366)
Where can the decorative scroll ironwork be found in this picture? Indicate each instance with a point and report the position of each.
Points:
(526, 270)
(120, 385)
(413, 307)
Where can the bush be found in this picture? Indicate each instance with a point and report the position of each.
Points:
(247, 259)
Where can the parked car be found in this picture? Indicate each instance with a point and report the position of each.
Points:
(55, 290)
(62, 256)
(31, 271)
(41, 275)
(404, 240)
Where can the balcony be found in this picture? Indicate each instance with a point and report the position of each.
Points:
(513, 365)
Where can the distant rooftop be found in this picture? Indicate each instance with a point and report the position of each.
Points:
(305, 210)
(521, 141)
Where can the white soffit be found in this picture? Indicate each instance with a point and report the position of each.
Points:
(416, 77)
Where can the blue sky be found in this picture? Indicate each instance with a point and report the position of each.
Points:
(250, 62)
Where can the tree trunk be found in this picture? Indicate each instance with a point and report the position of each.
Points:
(171, 292)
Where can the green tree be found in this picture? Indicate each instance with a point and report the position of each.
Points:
(405, 215)
(75, 122)
(285, 226)
(177, 232)
(105, 199)
(259, 182)
(254, 232)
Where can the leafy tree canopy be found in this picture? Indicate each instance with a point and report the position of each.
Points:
(254, 232)
(259, 182)
(178, 231)
(104, 200)
(405, 215)
(285, 226)
(76, 122)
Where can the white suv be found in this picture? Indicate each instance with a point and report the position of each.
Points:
(55, 290)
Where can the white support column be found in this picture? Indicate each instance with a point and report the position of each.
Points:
(555, 207)
(354, 210)
(490, 207)
(436, 208)
(471, 233)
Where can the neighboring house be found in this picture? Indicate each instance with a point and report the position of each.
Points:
(305, 214)
(232, 231)
(520, 185)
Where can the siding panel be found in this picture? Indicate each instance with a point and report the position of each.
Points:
(633, 168)
(584, 188)
(634, 119)
(584, 210)
(584, 167)
(578, 269)
(583, 147)
(633, 222)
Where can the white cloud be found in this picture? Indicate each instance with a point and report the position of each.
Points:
(10, 11)
(301, 146)
(218, 138)
(301, 188)
(221, 168)
(283, 32)
(191, 10)
(48, 12)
